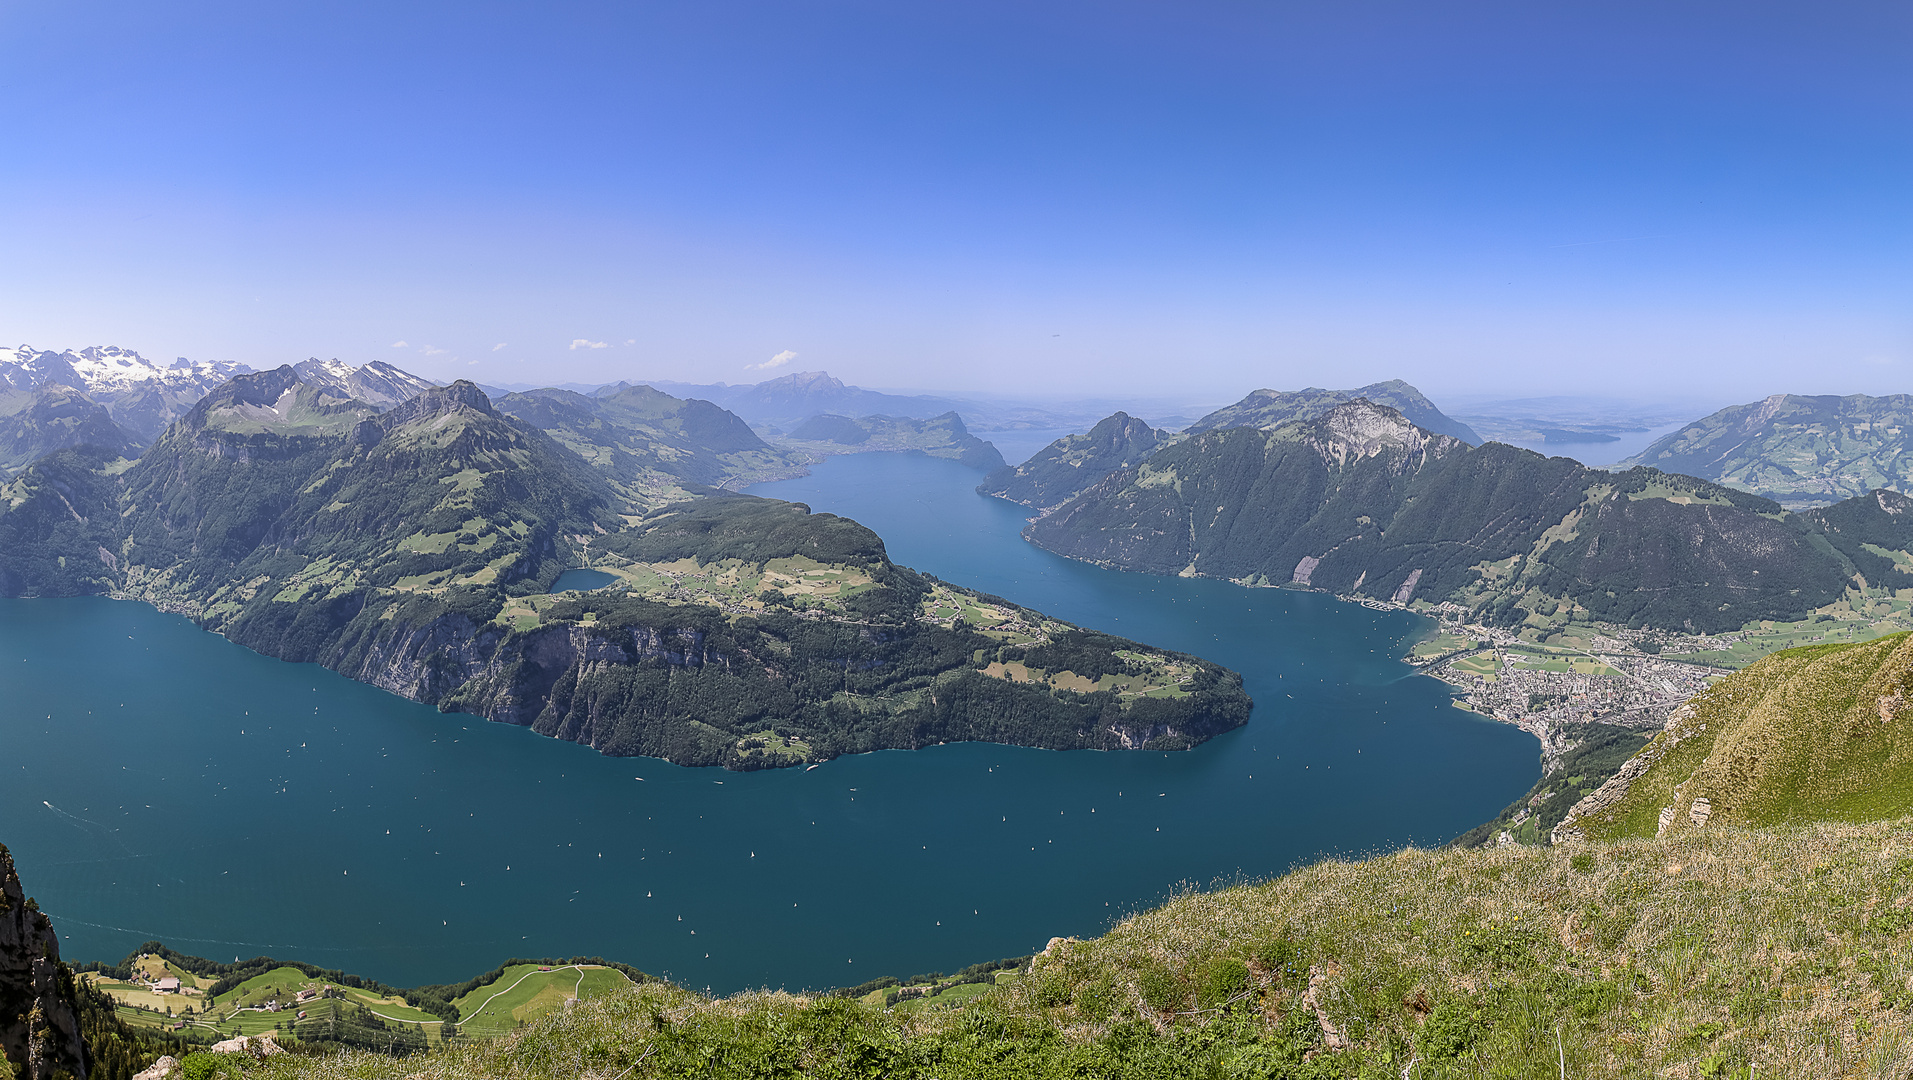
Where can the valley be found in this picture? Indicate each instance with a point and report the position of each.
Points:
(575, 565)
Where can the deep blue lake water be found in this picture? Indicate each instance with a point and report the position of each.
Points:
(160, 782)
(582, 579)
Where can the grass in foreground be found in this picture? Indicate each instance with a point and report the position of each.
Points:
(1708, 954)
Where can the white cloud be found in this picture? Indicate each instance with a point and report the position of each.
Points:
(581, 343)
(779, 360)
(400, 345)
(631, 341)
(432, 350)
(498, 346)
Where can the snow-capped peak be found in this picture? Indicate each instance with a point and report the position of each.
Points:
(109, 370)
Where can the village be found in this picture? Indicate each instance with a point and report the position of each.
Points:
(1551, 688)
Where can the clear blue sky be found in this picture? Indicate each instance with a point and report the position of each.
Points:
(1185, 197)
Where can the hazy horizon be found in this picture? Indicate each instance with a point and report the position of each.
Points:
(1062, 200)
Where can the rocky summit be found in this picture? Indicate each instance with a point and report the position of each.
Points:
(39, 1010)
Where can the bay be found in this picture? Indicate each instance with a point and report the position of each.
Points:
(160, 782)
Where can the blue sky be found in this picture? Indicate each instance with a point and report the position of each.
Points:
(1666, 198)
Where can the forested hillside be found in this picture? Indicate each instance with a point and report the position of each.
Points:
(413, 549)
(660, 448)
(943, 436)
(1360, 502)
(37, 422)
(1061, 470)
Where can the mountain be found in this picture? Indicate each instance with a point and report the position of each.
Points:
(413, 550)
(39, 1006)
(54, 416)
(378, 383)
(1809, 734)
(791, 399)
(663, 448)
(1061, 470)
(139, 394)
(1361, 502)
(1273, 408)
(124, 400)
(943, 436)
(277, 402)
(1799, 451)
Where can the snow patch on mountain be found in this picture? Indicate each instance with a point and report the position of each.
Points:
(109, 370)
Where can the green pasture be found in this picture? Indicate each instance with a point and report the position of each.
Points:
(524, 993)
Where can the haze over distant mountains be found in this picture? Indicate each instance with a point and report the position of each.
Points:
(1361, 502)
(1798, 450)
(118, 400)
(1273, 408)
(1073, 463)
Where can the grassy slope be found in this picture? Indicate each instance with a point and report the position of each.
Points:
(1697, 955)
(1801, 735)
(526, 993)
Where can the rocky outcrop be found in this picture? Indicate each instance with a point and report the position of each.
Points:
(1618, 785)
(39, 1003)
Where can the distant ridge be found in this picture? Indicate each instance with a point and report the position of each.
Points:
(138, 393)
(118, 401)
(1061, 470)
(1798, 450)
(790, 400)
(1273, 408)
(1360, 502)
(943, 436)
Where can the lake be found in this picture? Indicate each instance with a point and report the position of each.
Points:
(164, 783)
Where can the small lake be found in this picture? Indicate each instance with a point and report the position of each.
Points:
(167, 784)
(582, 580)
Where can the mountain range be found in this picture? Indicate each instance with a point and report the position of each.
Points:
(1274, 408)
(118, 400)
(1361, 502)
(791, 399)
(414, 549)
(1070, 465)
(943, 436)
(1798, 450)
(788, 400)
(659, 448)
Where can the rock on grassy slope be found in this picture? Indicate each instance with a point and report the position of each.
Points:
(1808, 734)
(1702, 954)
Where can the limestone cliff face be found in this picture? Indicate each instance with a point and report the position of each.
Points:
(39, 1010)
(527, 679)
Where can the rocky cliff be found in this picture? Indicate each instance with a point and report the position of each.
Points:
(39, 1003)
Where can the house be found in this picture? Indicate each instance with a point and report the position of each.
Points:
(167, 985)
(308, 995)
